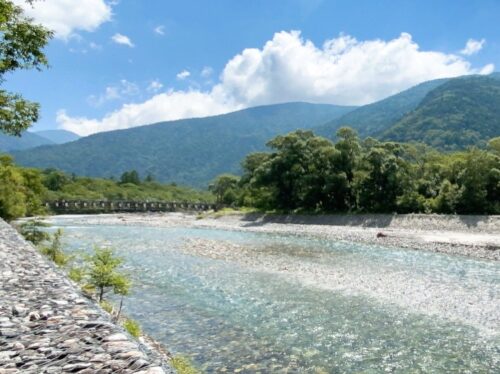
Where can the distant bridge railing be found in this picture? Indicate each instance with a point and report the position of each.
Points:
(104, 206)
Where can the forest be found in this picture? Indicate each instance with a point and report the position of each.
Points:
(308, 173)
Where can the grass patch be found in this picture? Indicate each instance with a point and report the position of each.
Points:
(183, 365)
(132, 327)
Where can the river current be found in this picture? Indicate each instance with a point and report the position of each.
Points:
(291, 304)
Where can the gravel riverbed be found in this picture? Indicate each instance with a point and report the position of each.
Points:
(472, 236)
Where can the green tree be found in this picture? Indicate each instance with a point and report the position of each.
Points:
(383, 180)
(225, 188)
(131, 176)
(12, 198)
(103, 274)
(21, 47)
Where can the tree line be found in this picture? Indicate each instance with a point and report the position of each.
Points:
(24, 190)
(307, 173)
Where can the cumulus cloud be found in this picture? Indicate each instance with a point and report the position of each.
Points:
(122, 39)
(66, 17)
(160, 30)
(155, 86)
(343, 71)
(162, 107)
(472, 47)
(183, 75)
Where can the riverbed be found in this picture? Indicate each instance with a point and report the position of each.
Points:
(246, 300)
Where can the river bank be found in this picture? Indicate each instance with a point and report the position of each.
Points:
(48, 326)
(472, 236)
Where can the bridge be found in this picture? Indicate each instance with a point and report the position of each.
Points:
(105, 206)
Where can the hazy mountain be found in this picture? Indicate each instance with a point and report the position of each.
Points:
(58, 136)
(189, 151)
(459, 113)
(27, 140)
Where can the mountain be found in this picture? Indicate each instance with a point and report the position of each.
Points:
(58, 136)
(459, 113)
(371, 119)
(189, 151)
(25, 141)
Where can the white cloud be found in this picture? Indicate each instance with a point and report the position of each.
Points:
(183, 75)
(162, 107)
(472, 47)
(160, 30)
(342, 71)
(65, 17)
(155, 86)
(207, 72)
(122, 39)
(123, 90)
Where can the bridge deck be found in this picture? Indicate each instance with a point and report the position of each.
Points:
(102, 206)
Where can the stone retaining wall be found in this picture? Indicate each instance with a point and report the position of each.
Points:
(471, 223)
(47, 326)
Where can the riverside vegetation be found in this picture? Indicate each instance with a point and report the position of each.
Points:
(23, 190)
(308, 173)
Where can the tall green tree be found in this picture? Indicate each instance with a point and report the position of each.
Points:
(21, 47)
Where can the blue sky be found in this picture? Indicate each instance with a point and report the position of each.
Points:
(118, 64)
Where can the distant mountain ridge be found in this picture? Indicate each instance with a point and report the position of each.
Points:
(188, 151)
(30, 139)
(26, 141)
(58, 136)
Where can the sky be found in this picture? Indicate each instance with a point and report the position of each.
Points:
(125, 63)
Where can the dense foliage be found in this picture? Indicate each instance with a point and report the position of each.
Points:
(305, 172)
(21, 47)
(23, 190)
(61, 186)
(190, 152)
(460, 113)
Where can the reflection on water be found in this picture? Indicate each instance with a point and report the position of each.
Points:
(228, 317)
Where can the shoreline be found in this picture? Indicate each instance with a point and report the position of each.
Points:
(471, 236)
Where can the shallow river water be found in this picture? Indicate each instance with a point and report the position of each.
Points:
(301, 304)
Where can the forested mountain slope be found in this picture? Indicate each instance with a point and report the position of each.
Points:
(190, 151)
(459, 113)
(370, 119)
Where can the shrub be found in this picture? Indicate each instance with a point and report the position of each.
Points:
(31, 231)
(183, 365)
(54, 251)
(132, 327)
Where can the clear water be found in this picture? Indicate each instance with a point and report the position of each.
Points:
(229, 317)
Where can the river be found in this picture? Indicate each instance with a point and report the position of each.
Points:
(278, 303)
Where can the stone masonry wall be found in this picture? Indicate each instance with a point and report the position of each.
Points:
(47, 326)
